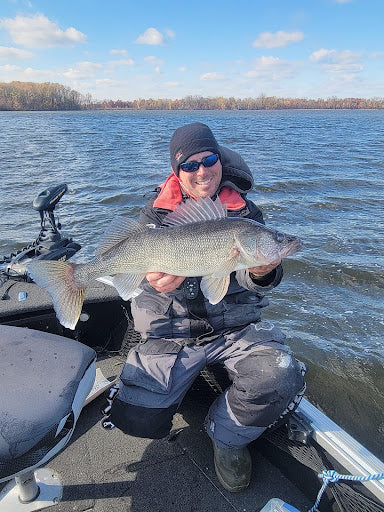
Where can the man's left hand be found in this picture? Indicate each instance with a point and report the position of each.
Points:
(263, 270)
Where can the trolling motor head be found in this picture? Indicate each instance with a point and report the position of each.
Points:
(45, 203)
(49, 245)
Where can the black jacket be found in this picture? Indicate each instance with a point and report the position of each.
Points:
(185, 313)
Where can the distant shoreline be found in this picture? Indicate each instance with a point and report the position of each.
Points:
(31, 96)
(187, 110)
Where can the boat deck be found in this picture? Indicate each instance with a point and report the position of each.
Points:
(107, 471)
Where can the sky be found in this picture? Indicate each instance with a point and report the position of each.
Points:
(123, 49)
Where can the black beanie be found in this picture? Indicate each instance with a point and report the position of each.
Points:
(191, 139)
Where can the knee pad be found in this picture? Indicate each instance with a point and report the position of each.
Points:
(266, 382)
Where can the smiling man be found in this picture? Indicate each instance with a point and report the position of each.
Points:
(183, 332)
(202, 174)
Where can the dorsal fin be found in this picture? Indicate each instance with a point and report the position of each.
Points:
(117, 231)
(196, 211)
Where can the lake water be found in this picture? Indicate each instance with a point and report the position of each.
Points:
(318, 174)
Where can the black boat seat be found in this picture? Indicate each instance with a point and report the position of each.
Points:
(44, 381)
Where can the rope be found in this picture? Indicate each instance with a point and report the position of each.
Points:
(332, 476)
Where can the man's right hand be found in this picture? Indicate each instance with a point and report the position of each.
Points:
(164, 283)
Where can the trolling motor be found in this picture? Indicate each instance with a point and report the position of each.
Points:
(49, 245)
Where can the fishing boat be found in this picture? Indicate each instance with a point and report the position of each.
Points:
(60, 452)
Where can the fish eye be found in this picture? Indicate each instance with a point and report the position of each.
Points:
(279, 237)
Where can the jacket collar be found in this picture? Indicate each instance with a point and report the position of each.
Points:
(172, 192)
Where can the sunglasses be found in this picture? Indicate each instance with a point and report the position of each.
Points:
(192, 166)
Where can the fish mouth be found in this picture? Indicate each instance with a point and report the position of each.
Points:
(293, 245)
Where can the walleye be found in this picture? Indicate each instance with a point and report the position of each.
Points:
(197, 239)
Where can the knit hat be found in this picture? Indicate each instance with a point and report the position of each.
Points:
(191, 139)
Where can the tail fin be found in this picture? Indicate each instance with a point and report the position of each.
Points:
(57, 278)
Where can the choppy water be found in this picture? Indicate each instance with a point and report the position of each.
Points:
(318, 174)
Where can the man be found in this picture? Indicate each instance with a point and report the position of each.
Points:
(182, 332)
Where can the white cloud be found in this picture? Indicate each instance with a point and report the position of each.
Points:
(333, 61)
(182, 69)
(321, 54)
(376, 55)
(343, 68)
(10, 53)
(82, 70)
(32, 74)
(151, 36)
(12, 72)
(115, 51)
(271, 68)
(121, 63)
(172, 84)
(39, 32)
(106, 81)
(212, 76)
(154, 61)
(10, 68)
(277, 39)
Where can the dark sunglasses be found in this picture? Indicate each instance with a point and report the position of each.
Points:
(192, 166)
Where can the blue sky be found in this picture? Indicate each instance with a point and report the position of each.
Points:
(123, 49)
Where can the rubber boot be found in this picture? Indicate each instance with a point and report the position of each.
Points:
(233, 467)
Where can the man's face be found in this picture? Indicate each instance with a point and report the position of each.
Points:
(206, 180)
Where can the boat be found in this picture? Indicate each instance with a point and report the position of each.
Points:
(307, 463)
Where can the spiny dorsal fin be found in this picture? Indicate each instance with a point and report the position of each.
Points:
(198, 210)
(117, 231)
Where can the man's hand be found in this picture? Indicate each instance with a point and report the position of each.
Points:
(164, 283)
(263, 270)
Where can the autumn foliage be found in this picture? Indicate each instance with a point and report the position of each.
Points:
(261, 102)
(53, 96)
(40, 96)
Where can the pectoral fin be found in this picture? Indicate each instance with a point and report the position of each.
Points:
(214, 288)
(126, 284)
(229, 266)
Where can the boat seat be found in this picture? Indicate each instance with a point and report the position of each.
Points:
(44, 381)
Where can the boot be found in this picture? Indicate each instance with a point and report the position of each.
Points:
(233, 467)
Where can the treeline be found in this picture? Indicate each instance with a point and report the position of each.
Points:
(262, 102)
(41, 96)
(53, 96)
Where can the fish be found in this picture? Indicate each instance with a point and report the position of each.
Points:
(196, 239)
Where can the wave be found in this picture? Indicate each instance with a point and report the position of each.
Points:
(120, 199)
(324, 183)
(317, 271)
(355, 382)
